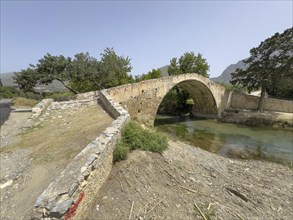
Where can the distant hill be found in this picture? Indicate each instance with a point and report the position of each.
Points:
(225, 77)
(7, 80)
(164, 70)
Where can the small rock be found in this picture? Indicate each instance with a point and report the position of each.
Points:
(8, 183)
(59, 210)
(192, 179)
(105, 197)
(97, 207)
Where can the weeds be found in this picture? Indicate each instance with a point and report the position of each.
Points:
(20, 101)
(134, 137)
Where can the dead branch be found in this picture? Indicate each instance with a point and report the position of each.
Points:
(201, 213)
(171, 175)
(156, 205)
(237, 194)
(131, 210)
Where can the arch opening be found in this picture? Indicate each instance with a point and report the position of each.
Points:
(200, 100)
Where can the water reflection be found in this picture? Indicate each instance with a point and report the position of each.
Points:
(230, 140)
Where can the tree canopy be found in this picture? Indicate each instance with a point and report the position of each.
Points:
(81, 74)
(175, 102)
(154, 74)
(270, 65)
(189, 63)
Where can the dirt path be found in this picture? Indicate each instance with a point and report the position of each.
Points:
(170, 186)
(30, 162)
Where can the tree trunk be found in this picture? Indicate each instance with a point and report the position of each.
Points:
(70, 89)
(262, 98)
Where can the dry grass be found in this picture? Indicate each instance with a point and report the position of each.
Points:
(21, 102)
(64, 134)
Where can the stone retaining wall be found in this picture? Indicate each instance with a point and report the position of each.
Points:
(41, 107)
(82, 178)
(250, 102)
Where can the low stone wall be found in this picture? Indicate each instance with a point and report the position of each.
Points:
(82, 178)
(41, 107)
(250, 102)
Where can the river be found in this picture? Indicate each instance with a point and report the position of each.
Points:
(230, 140)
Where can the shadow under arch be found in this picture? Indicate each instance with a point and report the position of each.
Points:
(204, 101)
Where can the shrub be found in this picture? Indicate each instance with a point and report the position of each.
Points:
(134, 137)
(120, 152)
(8, 92)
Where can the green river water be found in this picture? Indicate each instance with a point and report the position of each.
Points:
(230, 140)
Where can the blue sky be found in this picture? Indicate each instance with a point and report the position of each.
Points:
(148, 32)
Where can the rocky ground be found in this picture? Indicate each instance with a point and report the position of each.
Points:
(184, 182)
(189, 183)
(31, 158)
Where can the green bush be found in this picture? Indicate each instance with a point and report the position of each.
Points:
(120, 152)
(8, 92)
(134, 137)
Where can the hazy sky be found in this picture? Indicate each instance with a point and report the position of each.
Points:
(148, 32)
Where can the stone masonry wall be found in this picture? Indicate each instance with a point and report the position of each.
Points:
(250, 102)
(82, 178)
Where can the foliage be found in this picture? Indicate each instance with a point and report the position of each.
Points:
(269, 64)
(8, 92)
(189, 63)
(120, 152)
(1, 83)
(81, 74)
(84, 73)
(51, 68)
(26, 79)
(176, 100)
(154, 74)
(114, 69)
(231, 87)
(134, 137)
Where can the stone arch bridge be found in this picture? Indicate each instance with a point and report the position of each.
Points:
(143, 99)
(211, 99)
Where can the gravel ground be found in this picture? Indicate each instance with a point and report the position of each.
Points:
(186, 180)
(31, 158)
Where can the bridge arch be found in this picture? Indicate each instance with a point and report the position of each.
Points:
(143, 99)
(204, 101)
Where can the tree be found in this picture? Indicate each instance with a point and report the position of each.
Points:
(26, 79)
(1, 83)
(51, 68)
(114, 69)
(154, 74)
(189, 63)
(84, 73)
(176, 99)
(269, 64)
(81, 74)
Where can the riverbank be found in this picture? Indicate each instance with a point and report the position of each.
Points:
(256, 118)
(185, 180)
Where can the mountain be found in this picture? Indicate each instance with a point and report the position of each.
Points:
(7, 80)
(225, 77)
(164, 70)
